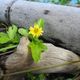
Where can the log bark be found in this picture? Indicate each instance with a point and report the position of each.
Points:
(53, 56)
(22, 60)
(62, 23)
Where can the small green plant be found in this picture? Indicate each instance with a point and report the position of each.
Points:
(62, 2)
(78, 1)
(11, 38)
(36, 45)
(31, 76)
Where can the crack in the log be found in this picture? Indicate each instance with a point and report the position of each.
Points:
(59, 43)
(54, 41)
(7, 12)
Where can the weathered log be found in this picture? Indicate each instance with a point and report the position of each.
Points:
(62, 26)
(22, 59)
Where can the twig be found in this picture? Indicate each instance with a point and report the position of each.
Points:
(40, 68)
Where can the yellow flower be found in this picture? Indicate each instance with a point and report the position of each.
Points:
(36, 31)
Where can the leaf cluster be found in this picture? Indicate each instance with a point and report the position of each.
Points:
(62, 2)
(9, 39)
(36, 45)
(31, 76)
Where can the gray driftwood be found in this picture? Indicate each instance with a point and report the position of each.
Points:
(62, 23)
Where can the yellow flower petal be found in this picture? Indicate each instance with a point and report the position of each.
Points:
(31, 28)
(36, 31)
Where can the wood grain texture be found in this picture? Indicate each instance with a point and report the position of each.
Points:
(22, 59)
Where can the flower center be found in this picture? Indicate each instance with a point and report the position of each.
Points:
(36, 30)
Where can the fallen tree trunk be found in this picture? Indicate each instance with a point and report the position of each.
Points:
(53, 56)
(62, 23)
(51, 60)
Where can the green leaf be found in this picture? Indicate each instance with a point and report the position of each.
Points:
(23, 32)
(3, 38)
(12, 31)
(41, 77)
(16, 39)
(10, 46)
(41, 23)
(37, 47)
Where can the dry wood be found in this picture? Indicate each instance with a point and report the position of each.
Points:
(22, 59)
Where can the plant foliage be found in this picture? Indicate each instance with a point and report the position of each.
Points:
(11, 38)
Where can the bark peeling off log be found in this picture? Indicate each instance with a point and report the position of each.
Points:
(62, 26)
